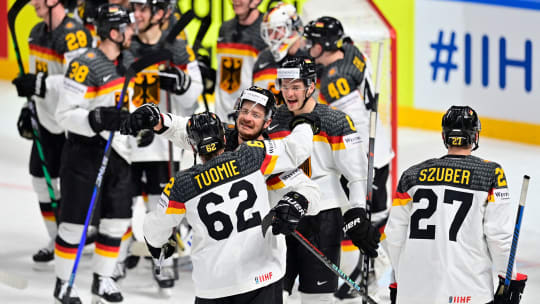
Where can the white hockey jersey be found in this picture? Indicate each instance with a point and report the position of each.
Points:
(343, 85)
(337, 150)
(91, 81)
(224, 200)
(449, 227)
(50, 53)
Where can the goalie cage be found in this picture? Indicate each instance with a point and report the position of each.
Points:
(368, 27)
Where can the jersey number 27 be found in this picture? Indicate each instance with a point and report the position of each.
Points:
(450, 196)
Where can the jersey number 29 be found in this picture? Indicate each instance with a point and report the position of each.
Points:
(210, 219)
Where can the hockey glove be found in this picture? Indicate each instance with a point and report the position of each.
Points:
(166, 249)
(514, 292)
(146, 117)
(106, 118)
(145, 138)
(30, 84)
(174, 80)
(288, 212)
(24, 123)
(363, 235)
(310, 118)
(393, 293)
(208, 74)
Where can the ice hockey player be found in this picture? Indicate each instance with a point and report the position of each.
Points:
(345, 83)
(255, 110)
(238, 45)
(225, 199)
(337, 151)
(179, 84)
(453, 215)
(87, 110)
(282, 30)
(53, 43)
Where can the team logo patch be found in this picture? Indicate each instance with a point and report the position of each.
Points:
(69, 25)
(231, 69)
(91, 55)
(332, 71)
(459, 299)
(146, 89)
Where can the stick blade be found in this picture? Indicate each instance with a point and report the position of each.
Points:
(14, 11)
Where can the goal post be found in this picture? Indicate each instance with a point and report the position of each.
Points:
(363, 21)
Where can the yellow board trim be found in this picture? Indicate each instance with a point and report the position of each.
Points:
(494, 128)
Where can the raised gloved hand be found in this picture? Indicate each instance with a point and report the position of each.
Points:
(146, 117)
(30, 84)
(145, 138)
(106, 118)
(514, 292)
(174, 80)
(363, 235)
(288, 212)
(24, 123)
(310, 118)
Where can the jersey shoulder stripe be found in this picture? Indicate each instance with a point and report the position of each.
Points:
(225, 168)
(467, 172)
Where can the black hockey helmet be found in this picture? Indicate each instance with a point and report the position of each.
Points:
(461, 127)
(205, 133)
(259, 96)
(154, 5)
(112, 16)
(326, 31)
(298, 67)
(88, 10)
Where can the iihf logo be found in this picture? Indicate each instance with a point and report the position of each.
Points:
(263, 277)
(459, 299)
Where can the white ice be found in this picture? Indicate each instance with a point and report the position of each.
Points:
(22, 230)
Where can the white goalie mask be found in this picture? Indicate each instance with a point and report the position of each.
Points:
(281, 28)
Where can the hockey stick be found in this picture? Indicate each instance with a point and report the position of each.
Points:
(517, 228)
(137, 66)
(171, 37)
(369, 199)
(13, 280)
(333, 267)
(267, 222)
(12, 16)
(205, 25)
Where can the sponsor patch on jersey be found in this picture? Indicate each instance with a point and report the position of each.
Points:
(501, 194)
(290, 175)
(352, 140)
(74, 87)
(163, 202)
(270, 147)
(91, 55)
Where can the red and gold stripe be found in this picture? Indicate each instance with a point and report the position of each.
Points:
(401, 199)
(274, 183)
(175, 208)
(107, 251)
(279, 135)
(128, 234)
(46, 53)
(266, 74)
(111, 86)
(347, 245)
(48, 216)
(239, 49)
(336, 142)
(491, 197)
(268, 164)
(65, 252)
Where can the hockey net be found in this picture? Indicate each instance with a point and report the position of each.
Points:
(369, 29)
